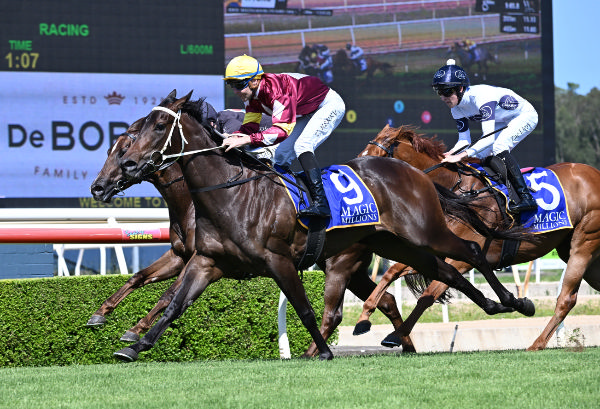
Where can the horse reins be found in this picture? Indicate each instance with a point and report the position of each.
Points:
(229, 183)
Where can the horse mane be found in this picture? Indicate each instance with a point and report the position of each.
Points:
(194, 109)
(432, 147)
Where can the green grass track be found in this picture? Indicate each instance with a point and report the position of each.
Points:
(559, 378)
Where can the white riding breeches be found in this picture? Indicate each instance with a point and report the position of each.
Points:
(516, 131)
(506, 140)
(311, 130)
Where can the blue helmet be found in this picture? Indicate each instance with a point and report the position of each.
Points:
(450, 76)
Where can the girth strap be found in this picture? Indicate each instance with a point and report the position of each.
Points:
(315, 241)
(509, 251)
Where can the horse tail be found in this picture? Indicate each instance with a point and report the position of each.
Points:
(464, 210)
(417, 284)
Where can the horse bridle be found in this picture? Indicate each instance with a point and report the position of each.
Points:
(389, 150)
(121, 184)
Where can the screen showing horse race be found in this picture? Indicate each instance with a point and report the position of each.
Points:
(380, 56)
(76, 74)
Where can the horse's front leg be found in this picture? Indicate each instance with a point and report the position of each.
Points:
(133, 334)
(167, 266)
(363, 325)
(199, 273)
(286, 276)
(339, 270)
(426, 300)
(577, 266)
(522, 305)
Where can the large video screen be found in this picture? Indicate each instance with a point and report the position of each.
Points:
(75, 74)
(404, 43)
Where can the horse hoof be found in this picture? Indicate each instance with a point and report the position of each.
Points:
(129, 336)
(362, 327)
(493, 308)
(326, 356)
(96, 321)
(126, 355)
(528, 309)
(391, 341)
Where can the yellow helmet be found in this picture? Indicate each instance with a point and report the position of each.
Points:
(243, 67)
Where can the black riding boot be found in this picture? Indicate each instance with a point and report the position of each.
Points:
(320, 206)
(526, 202)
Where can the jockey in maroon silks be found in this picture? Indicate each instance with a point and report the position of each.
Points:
(304, 112)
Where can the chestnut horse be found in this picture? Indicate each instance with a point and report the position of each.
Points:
(170, 184)
(579, 246)
(248, 224)
(173, 189)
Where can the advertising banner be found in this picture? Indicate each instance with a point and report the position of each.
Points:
(58, 127)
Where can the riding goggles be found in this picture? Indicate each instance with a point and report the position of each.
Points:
(238, 84)
(445, 92)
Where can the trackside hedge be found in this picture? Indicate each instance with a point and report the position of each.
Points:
(42, 321)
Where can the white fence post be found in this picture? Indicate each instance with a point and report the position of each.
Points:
(284, 343)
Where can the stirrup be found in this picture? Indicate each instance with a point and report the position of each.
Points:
(523, 206)
(314, 211)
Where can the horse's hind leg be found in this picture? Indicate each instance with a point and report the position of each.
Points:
(199, 273)
(167, 266)
(422, 260)
(522, 305)
(350, 270)
(469, 252)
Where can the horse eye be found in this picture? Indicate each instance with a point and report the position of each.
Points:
(160, 127)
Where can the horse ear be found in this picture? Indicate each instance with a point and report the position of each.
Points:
(183, 100)
(172, 94)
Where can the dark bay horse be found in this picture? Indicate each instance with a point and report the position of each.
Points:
(466, 59)
(343, 66)
(579, 246)
(250, 226)
(170, 184)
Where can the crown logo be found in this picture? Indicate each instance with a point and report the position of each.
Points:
(114, 98)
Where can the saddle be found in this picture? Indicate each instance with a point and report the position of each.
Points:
(350, 201)
(552, 213)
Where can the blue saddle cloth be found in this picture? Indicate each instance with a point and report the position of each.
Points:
(553, 210)
(350, 200)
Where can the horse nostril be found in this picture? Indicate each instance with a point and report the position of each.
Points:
(96, 190)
